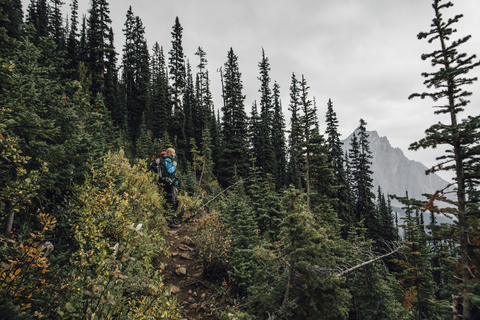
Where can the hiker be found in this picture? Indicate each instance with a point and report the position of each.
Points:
(171, 188)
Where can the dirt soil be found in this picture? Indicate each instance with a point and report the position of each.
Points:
(184, 270)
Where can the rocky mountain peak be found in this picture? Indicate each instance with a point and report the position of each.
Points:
(394, 172)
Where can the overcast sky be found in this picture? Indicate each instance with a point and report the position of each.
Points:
(362, 54)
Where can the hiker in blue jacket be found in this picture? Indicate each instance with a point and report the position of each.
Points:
(171, 190)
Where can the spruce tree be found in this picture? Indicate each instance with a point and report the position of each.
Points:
(293, 166)
(190, 106)
(416, 278)
(97, 43)
(177, 66)
(136, 73)
(462, 139)
(305, 132)
(254, 128)
(160, 104)
(336, 162)
(238, 217)
(266, 158)
(360, 156)
(11, 18)
(56, 29)
(38, 14)
(278, 138)
(234, 155)
(73, 43)
(203, 116)
(178, 76)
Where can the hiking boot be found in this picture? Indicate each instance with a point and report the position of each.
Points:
(174, 224)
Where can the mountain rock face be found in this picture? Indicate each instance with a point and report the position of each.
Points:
(395, 173)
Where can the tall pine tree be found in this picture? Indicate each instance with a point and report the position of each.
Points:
(462, 138)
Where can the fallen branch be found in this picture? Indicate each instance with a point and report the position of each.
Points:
(206, 204)
(358, 266)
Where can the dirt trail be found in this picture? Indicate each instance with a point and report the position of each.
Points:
(184, 270)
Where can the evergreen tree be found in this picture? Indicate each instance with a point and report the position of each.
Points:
(56, 29)
(462, 139)
(234, 125)
(416, 279)
(304, 132)
(11, 18)
(111, 89)
(190, 106)
(254, 127)
(73, 43)
(178, 76)
(83, 49)
(360, 156)
(46, 122)
(266, 204)
(266, 158)
(293, 168)
(203, 116)
(98, 34)
(177, 66)
(160, 105)
(387, 230)
(38, 16)
(372, 287)
(309, 244)
(238, 217)
(144, 143)
(136, 73)
(278, 138)
(335, 160)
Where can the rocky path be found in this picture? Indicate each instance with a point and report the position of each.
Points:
(184, 271)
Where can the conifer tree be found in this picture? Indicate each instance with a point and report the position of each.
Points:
(178, 76)
(56, 29)
(266, 204)
(83, 49)
(234, 125)
(254, 127)
(278, 138)
(416, 278)
(190, 107)
(293, 168)
(238, 217)
(73, 43)
(38, 14)
(372, 287)
(309, 244)
(144, 143)
(177, 66)
(203, 116)
(46, 122)
(462, 139)
(111, 90)
(304, 132)
(360, 156)
(11, 18)
(336, 162)
(266, 158)
(387, 230)
(97, 43)
(160, 105)
(136, 73)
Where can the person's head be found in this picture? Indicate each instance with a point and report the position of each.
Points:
(171, 152)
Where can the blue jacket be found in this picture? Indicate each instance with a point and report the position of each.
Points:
(171, 168)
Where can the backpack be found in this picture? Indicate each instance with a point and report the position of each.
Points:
(158, 166)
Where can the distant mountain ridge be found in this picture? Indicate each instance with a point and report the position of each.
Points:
(395, 173)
